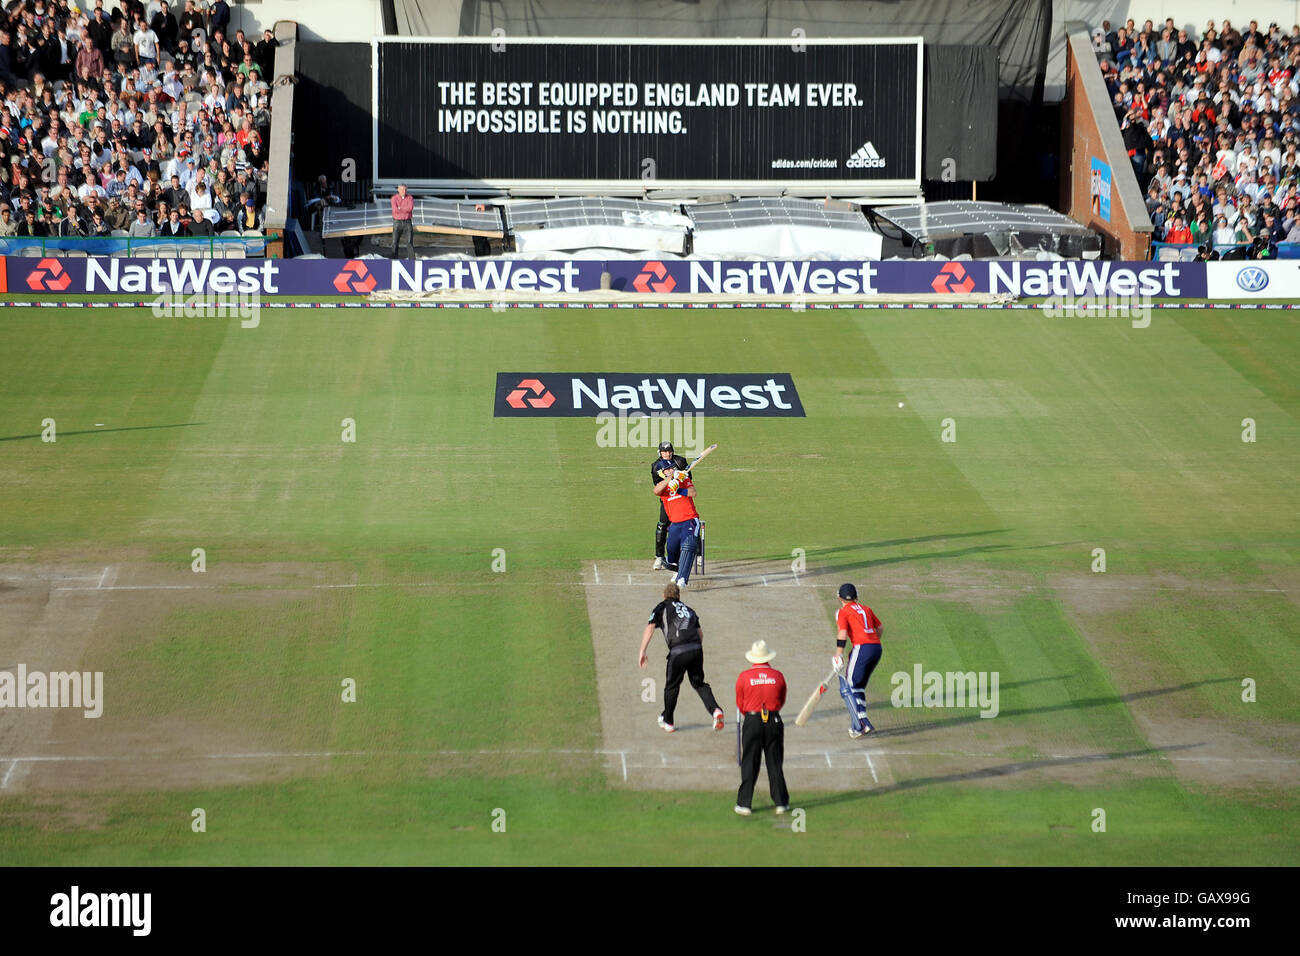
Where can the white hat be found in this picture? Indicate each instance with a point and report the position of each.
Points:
(759, 653)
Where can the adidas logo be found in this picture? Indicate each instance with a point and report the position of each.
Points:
(865, 158)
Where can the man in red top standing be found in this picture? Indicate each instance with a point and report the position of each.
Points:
(859, 624)
(760, 695)
(678, 493)
(403, 206)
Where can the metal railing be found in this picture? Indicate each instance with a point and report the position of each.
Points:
(1190, 251)
(225, 246)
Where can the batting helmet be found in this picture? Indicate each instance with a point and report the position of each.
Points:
(848, 592)
(665, 446)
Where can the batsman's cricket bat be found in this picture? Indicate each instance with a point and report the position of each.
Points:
(813, 700)
(704, 454)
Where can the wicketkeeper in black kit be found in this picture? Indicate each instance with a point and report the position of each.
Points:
(685, 637)
(666, 459)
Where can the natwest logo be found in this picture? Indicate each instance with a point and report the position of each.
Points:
(354, 277)
(104, 274)
(588, 394)
(49, 276)
(783, 277)
(952, 278)
(1086, 277)
(518, 399)
(492, 275)
(654, 277)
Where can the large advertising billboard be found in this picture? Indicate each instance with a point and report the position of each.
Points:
(537, 115)
(57, 278)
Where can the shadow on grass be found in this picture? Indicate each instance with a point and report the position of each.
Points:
(891, 543)
(838, 570)
(1001, 770)
(866, 563)
(1053, 708)
(102, 431)
(879, 705)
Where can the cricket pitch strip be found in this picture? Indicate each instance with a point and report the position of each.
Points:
(737, 606)
(740, 602)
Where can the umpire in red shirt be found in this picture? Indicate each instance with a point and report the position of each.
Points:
(760, 695)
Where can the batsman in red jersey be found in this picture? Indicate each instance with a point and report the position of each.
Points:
(858, 624)
(677, 491)
(667, 460)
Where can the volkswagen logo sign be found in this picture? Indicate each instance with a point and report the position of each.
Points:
(1252, 279)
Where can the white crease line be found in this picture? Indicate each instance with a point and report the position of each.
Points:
(150, 587)
(828, 760)
(1100, 588)
(743, 581)
(596, 571)
(235, 587)
(331, 587)
(713, 582)
(18, 582)
(711, 578)
(718, 578)
(1237, 759)
(8, 772)
(101, 579)
(872, 766)
(817, 755)
(623, 756)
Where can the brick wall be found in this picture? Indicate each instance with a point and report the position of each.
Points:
(1081, 140)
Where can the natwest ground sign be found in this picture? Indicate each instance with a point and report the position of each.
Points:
(586, 394)
(148, 276)
(665, 277)
(803, 277)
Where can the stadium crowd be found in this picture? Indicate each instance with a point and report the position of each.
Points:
(133, 120)
(1212, 126)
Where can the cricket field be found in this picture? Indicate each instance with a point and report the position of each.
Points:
(418, 646)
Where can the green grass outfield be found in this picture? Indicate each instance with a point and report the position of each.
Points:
(1071, 435)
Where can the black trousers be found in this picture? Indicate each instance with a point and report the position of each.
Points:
(661, 531)
(687, 664)
(402, 230)
(762, 741)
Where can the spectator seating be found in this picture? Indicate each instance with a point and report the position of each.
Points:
(84, 110)
(1212, 123)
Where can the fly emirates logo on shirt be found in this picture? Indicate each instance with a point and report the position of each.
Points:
(589, 394)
